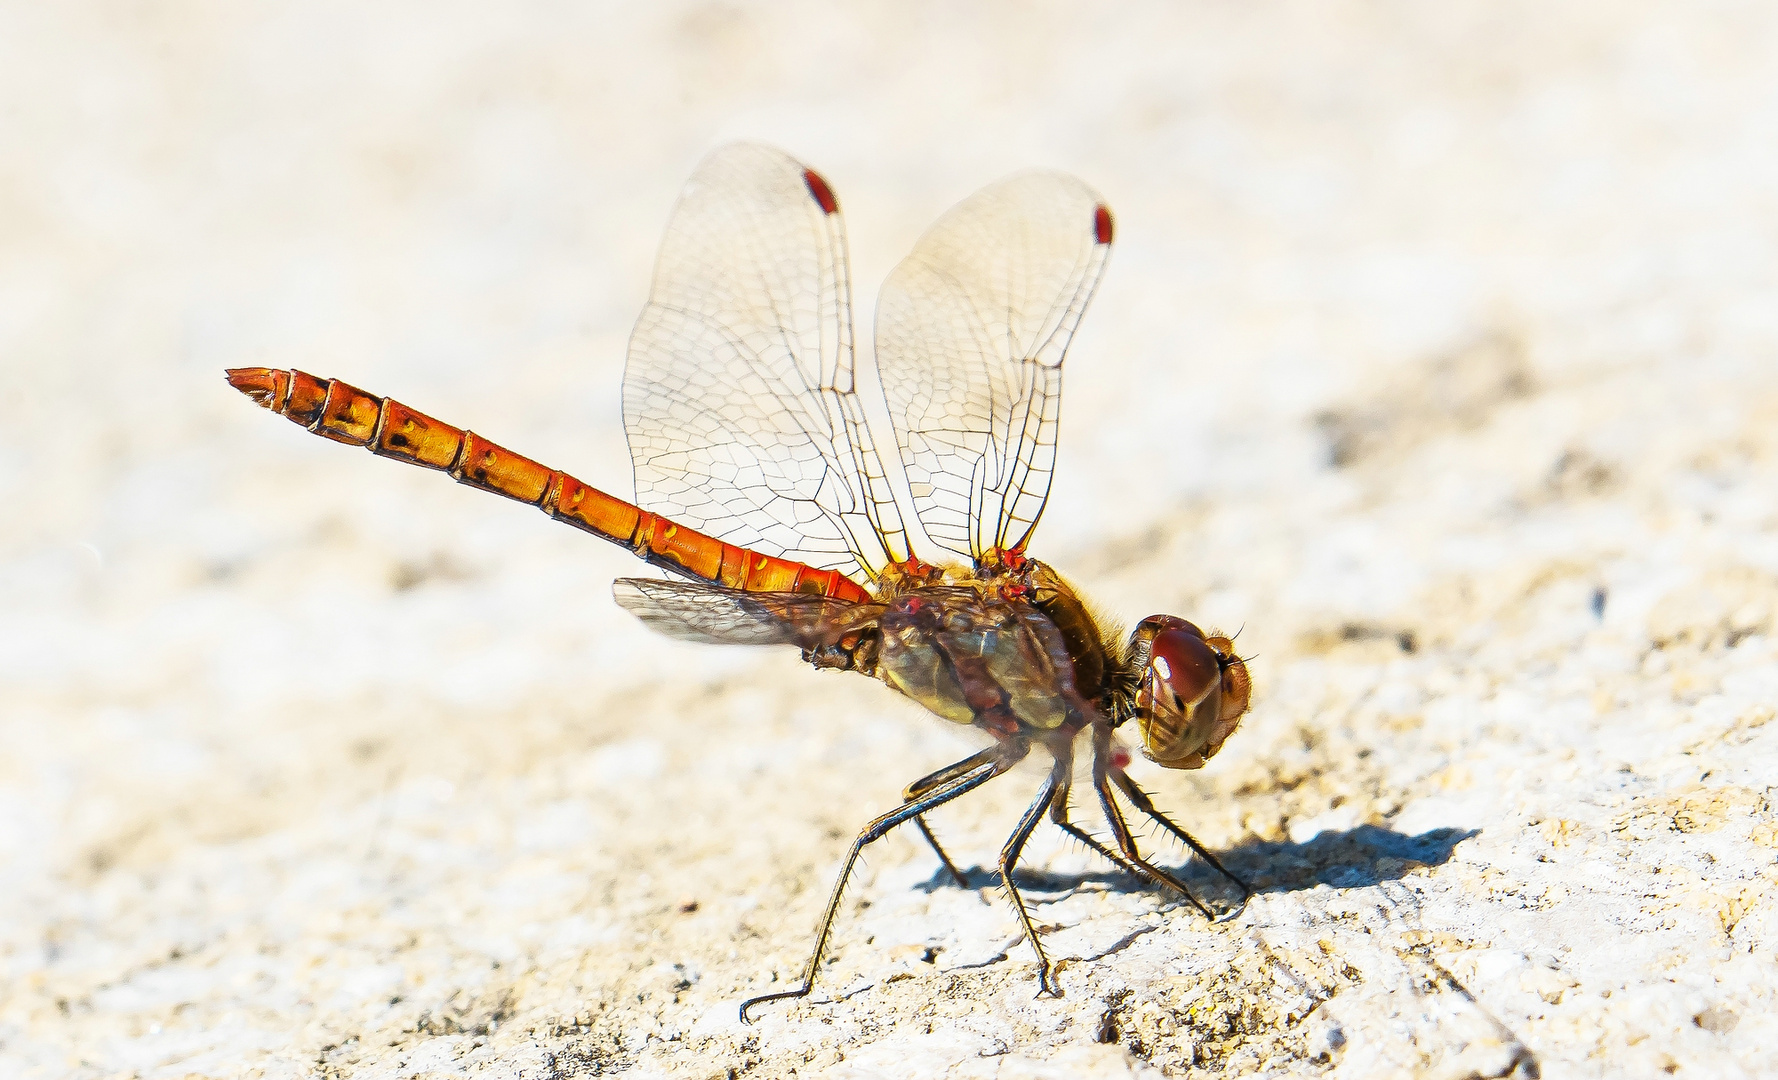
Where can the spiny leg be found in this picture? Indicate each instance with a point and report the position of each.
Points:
(1064, 773)
(1009, 857)
(927, 783)
(1059, 815)
(1006, 757)
(1142, 802)
(950, 867)
(1120, 829)
(1126, 843)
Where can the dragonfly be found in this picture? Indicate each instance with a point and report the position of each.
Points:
(759, 487)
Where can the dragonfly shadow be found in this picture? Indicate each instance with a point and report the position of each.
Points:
(1344, 859)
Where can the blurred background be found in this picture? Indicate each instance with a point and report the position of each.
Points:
(1429, 330)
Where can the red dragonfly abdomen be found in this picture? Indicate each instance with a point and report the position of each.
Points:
(387, 428)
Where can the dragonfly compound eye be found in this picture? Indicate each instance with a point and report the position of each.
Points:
(1193, 692)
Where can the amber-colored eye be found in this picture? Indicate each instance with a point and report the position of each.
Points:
(1193, 692)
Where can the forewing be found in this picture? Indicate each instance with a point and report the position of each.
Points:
(714, 615)
(739, 396)
(972, 328)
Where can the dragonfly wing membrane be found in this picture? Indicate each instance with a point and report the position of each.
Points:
(972, 328)
(714, 615)
(739, 394)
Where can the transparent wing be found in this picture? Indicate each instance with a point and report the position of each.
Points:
(714, 615)
(739, 396)
(971, 331)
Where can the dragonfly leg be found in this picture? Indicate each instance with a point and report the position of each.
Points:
(1142, 802)
(1006, 755)
(1120, 829)
(1009, 857)
(1059, 815)
(927, 783)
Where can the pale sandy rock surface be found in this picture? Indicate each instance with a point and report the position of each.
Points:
(1439, 352)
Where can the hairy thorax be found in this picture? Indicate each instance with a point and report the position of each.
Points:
(1006, 645)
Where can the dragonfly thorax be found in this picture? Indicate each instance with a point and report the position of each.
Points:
(1005, 645)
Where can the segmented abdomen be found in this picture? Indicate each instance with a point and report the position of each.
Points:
(386, 427)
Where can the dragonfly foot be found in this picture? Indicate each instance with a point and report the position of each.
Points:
(763, 998)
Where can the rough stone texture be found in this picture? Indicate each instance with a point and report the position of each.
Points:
(1439, 352)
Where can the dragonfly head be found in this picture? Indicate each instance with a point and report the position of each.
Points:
(1192, 693)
